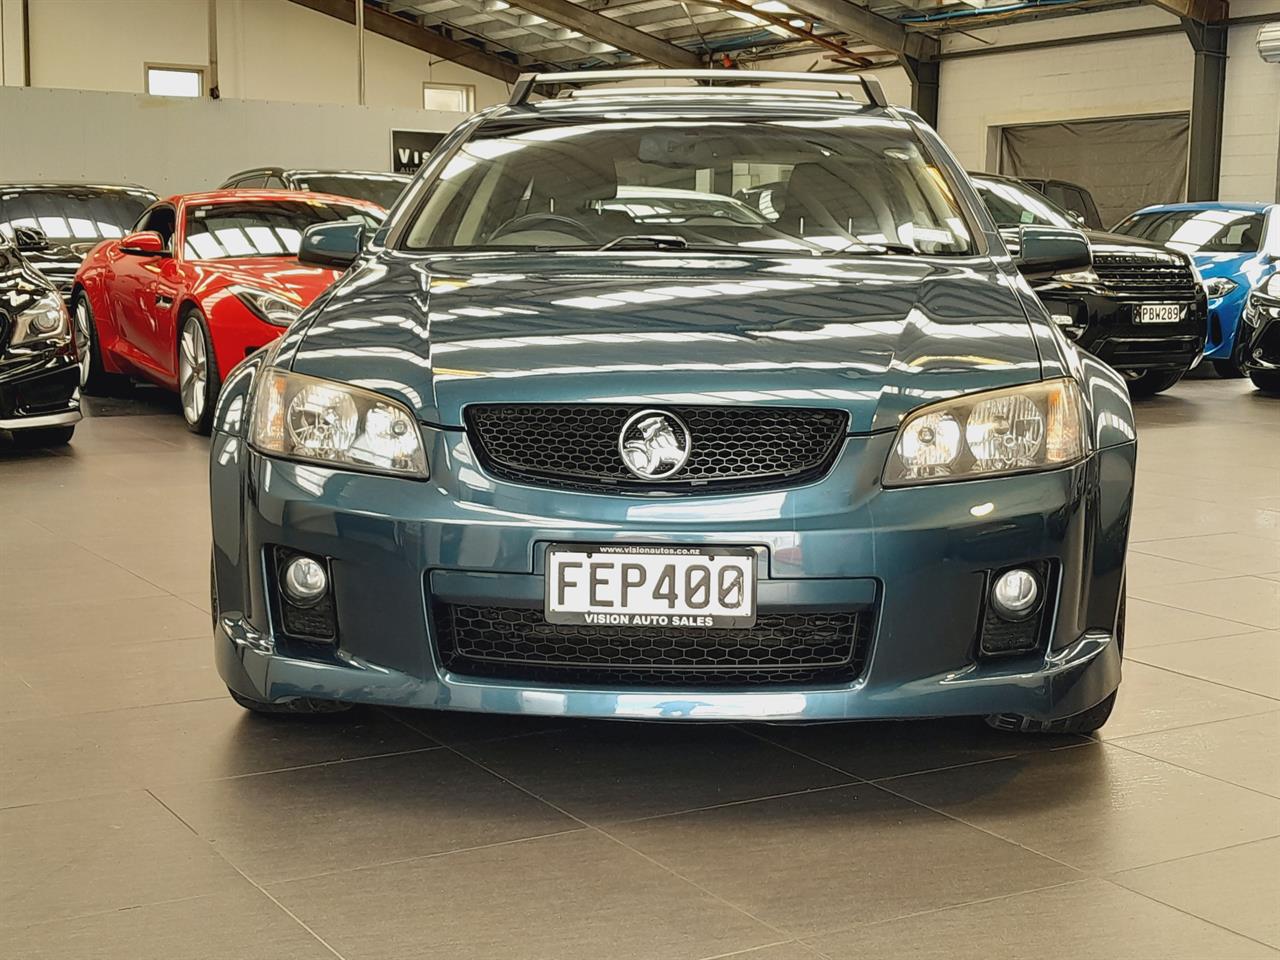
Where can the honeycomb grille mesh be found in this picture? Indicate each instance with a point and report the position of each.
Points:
(576, 445)
(1166, 276)
(782, 648)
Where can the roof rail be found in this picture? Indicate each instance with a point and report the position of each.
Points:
(523, 87)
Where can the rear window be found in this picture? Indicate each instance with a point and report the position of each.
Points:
(73, 214)
(259, 228)
(384, 191)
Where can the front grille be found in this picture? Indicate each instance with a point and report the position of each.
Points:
(1159, 275)
(575, 446)
(781, 649)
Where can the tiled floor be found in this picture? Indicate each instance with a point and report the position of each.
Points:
(143, 815)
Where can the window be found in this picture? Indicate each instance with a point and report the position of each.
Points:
(847, 184)
(259, 228)
(1199, 231)
(169, 81)
(453, 97)
(162, 219)
(72, 213)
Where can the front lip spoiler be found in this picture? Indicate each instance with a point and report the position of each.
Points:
(44, 420)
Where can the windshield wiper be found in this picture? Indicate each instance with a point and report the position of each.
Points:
(661, 241)
(878, 249)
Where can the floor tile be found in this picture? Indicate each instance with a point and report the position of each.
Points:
(792, 950)
(65, 859)
(1089, 919)
(93, 753)
(74, 624)
(1153, 624)
(1237, 888)
(1096, 807)
(611, 771)
(1233, 552)
(1143, 570)
(575, 897)
(239, 925)
(1248, 661)
(889, 749)
(823, 860)
(87, 578)
(178, 565)
(465, 726)
(340, 816)
(1251, 600)
(1239, 751)
(1152, 699)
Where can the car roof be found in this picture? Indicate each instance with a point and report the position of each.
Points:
(692, 103)
(380, 174)
(72, 186)
(1205, 205)
(293, 196)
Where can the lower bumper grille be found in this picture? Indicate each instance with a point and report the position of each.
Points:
(782, 649)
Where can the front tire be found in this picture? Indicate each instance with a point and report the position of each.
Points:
(1228, 369)
(198, 378)
(300, 707)
(1150, 382)
(1268, 381)
(94, 379)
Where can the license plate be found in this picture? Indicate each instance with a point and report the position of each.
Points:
(658, 586)
(1159, 313)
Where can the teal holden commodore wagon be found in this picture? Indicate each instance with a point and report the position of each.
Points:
(699, 400)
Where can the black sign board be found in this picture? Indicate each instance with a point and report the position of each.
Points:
(410, 149)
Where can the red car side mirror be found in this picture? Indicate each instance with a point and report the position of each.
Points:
(144, 243)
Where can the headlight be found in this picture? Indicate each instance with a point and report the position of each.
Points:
(1034, 427)
(1086, 277)
(271, 307)
(1216, 287)
(305, 418)
(46, 319)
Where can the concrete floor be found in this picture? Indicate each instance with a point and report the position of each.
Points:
(146, 816)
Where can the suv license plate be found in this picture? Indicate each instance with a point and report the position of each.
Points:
(1159, 312)
(658, 586)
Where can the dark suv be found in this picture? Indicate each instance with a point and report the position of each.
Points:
(1140, 307)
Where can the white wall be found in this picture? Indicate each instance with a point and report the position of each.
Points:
(1118, 76)
(174, 145)
(267, 50)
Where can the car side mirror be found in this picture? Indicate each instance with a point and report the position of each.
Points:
(331, 244)
(1043, 251)
(30, 239)
(144, 243)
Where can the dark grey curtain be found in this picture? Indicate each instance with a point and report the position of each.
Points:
(1125, 163)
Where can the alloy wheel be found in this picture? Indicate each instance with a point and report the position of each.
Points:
(84, 342)
(193, 371)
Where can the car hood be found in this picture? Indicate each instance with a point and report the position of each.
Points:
(876, 336)
(1231, 265)
(281, 275)
(60, 260)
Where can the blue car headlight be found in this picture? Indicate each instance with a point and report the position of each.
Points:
(1217, 287)
(320, 421)
(1039, 426)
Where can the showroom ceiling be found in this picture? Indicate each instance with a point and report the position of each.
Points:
(577, 34)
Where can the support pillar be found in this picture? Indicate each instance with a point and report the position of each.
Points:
(1208, 102)
(924, 87)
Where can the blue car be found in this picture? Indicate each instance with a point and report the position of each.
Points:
(1225, 240)
(558, 445)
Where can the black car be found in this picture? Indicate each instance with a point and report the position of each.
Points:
(380, 188)
(1071, 197)
(1261, 335)
(73, 217)
(1140, 307)
(39, 372)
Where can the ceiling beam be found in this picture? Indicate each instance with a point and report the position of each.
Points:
(860, 22)
(599, 27)
(411, 34)
(1202, 11)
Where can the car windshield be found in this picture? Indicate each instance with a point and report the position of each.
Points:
(840, 183)
(259, 228)
(1014, 205)
(72, 214)
(1198, 231)
(384, 191)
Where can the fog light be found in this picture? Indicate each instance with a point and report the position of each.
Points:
(305, 581)
(1015, 594)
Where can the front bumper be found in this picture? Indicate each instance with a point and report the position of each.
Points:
(1261, 347)
(919, 556)
(1104, 325)
(39, 389)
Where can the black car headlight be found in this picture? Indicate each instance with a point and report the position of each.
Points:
(1039, 426)
(320, 421)
(46, 319)
(271, 307)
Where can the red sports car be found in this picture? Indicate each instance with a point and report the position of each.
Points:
(204, 280)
